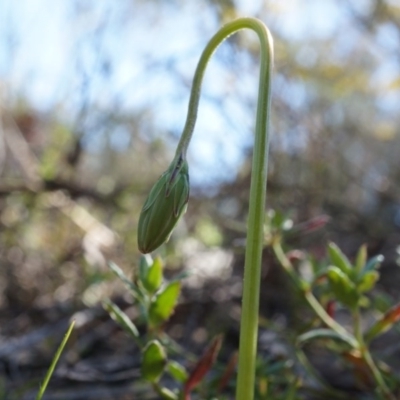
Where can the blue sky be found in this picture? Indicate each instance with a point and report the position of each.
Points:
(52, 53)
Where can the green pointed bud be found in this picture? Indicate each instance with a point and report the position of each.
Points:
(164, 206)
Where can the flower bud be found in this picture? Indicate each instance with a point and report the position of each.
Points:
(164, 205)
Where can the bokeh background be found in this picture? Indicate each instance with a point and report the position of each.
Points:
(93, 98)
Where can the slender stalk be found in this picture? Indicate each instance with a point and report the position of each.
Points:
(366, 355)
(54, 362)
(254, 242)
(309, 296)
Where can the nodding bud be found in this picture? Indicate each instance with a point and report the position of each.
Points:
(164, 206)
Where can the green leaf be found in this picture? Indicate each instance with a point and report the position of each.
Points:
(367, 281)
(128, 283)
(177, 371)
(162, 306)
(154, 360)
(361, 258)
(182, 275)
(144, 265)
(322, 334)
(121, 318)
(342, 287)
(338, 259)
(154, 277)
(374, 263)
(166, 394)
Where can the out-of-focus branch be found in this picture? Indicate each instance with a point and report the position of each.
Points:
(98, 238)
(2, 141)
(22, 154)
(74, 191)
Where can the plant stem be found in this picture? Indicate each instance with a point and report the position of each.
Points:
(366, 355)
(254, 242)
(309, 296)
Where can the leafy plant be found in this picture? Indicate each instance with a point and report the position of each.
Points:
(157, 300)
(340, 281)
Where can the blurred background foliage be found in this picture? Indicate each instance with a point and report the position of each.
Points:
(90, 118)
(93, 100)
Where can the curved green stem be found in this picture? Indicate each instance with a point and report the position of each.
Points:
(254, 242)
